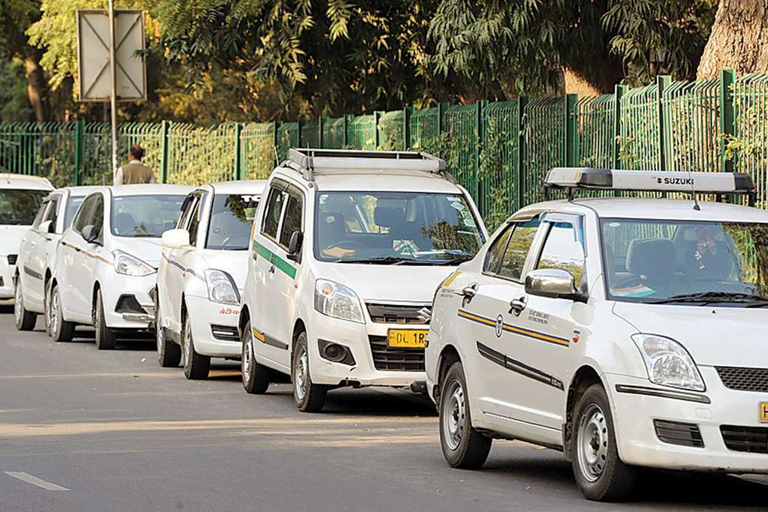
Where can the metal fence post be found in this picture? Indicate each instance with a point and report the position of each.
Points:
(376, 136)
(238, 151)
(519, 169)
(79, 151)
(440, 111)
(478, 151)
(407, 128)
(164, 158)
(275, 141)
(663, 82)
(618, 94)
(320, 132)
(571, 131)
(727, 116)
(346, 130)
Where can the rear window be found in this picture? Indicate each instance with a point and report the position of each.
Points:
(145, 216)
(231, 218)
(18, 207)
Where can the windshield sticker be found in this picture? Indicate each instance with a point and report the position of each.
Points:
(408, 247)
(458, 206)
(639, 290)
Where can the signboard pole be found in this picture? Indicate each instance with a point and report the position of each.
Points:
(113, 85)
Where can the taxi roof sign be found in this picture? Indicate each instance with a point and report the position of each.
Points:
(650, 181)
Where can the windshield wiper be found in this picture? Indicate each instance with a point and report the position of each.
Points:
(397, 260)
(706, 298)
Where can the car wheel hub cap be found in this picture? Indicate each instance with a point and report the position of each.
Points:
(18, 305)
(187, 345)
(455, 415)
(54, 314)
(247, 361)
(592, 443)
(302, 374)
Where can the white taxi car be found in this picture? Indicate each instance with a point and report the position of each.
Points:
(106, 262)
(201, 276)
(625, 332)
(37, 253)
(20, 199)
(347, 250)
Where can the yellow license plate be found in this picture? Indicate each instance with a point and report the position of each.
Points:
(406, 338)
(764, 412)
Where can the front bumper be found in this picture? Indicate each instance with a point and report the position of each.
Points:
(358, 339)
(7, 289)
(118, 294)
(211, 324)
(638, 443)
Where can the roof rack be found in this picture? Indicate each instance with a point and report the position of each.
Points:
(308, 162)
(586, 178)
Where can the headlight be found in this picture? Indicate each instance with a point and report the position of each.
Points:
(668, 363)
(337, 301)
(130, 265)
(221, 287)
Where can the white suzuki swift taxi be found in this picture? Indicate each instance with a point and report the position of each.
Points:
(20, 200)
(201, 276)
(106, 262)
(37, 254)
(625, 332)
(348, 247)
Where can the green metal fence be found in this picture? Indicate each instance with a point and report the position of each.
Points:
(499, 151)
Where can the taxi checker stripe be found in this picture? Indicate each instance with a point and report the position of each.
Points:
(540, 336)
(276, 260)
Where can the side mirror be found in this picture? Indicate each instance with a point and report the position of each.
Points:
(553, 283)
(294, 246)
(46, 227)
(91, 234)
(176, 239)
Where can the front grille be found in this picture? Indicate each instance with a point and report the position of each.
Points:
(744, 379)
(682, 434)
(12, 258)
(745, 439)
(398, 314)
(225, 333)
(395, 359)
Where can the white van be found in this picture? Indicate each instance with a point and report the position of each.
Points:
(348, 248)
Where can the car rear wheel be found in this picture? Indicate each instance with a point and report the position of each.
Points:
(599, 472)
(463, 446)
(168, 352)
(106, 338)
(25, 320)
(308, 397)
(60, 329)
(196, 366)
(256, 376)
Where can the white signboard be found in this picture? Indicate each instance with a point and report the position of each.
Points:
(93, 55)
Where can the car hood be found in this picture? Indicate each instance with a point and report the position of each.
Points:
(714, 336)
(387, 283)
(149, 250)
(10, 239)
(234, 263)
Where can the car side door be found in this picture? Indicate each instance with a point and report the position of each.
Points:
(72, 266)
(32, 253)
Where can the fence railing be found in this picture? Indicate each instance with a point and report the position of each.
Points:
(499, 151)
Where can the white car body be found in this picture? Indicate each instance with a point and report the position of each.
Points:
(543, 355)
(11, 234)
(279, 295)
(182, 288)
(83, 268)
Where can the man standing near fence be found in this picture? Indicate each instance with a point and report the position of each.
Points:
(134, 171)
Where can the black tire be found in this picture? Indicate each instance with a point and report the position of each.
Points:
(25, 320)
(47, 307)
(61, 330)
(168, 352)
(196, 366)
(599, 472)
(463, 446)
(308, 397)
(105, 337)
(256, 376)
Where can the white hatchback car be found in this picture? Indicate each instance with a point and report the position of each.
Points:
(37, 253)
(201, 276)
(106, 262)
(347, 250)
(625, 332)
(20, 200)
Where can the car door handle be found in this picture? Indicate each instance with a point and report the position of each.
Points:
(470, 291)
(272, 269)
(517, 306)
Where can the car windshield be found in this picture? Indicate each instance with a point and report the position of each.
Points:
(231, 219)
(395, 228)
(72, 205)
(18, 207)
(702, 263)
(145, 216)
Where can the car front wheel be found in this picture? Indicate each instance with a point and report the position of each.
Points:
(309, 397)
(255, 376)
(25, 320)
(168, 352)
(106, 339)
(196, 366)
(60, 329)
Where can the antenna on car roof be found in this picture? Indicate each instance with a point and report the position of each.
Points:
(693, 192)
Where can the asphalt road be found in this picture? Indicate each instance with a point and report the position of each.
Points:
(83, 430)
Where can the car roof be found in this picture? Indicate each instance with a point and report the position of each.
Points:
(239, 187)
(150, 189)
(23, 181)
(390, 180)
(80, 191)
(656, 209)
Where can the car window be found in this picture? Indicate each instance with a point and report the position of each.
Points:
(496, 252)
(83, 217)
(97, 214)
(186, 209)
(145, 216)
(41, 214)
(18, 207)
(563, 250)
(231, 220)
(274, 207)
(292, 220)
(52, 214)
(73, 204)
(517, 249)
(194, 220)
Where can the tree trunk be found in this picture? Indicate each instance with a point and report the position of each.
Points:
(37, 88)
(738, 39)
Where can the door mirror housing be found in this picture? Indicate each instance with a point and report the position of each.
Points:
(46, 227)
(553, 283)
(91, 234)
(294, 246)
(176, 239)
